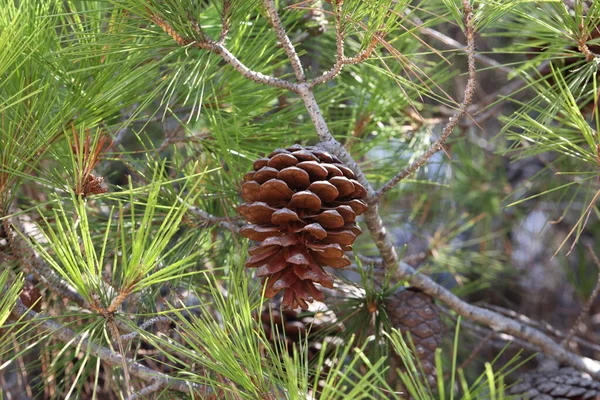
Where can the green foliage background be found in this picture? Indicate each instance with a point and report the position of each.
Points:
(186, 127)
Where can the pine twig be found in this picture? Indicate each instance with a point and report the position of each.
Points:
(480, 346)
(220, 49)
(108, 356)
(285, 40)
(210, 219)
(37, 266)
(143, 393)
(225, 21)
(454, 120)
(586, 308)
(342, 60)
(542, 326)
(147, 324)
(114, 331)
(455, 44)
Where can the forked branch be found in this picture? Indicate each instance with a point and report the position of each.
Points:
(341, 59)
(219, 48)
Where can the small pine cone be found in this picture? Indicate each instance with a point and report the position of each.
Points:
(414, 311)
(30, 295)
(94, 184)
(563, 383)
(301, 204)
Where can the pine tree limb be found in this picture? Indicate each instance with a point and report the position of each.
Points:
(108, 356)
(342, 60)
(147, 324)
(33, 262)
(220, 49)
(454, 120)
(143, 393)
(285, 40)
(455, 44)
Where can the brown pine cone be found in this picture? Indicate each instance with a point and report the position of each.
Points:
(414, 311)
(301, 204)
(563, 383)
(30, 295)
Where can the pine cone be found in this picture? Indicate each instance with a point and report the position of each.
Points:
(414, 311)
(301, 204)
(30, 295)
(563, 383)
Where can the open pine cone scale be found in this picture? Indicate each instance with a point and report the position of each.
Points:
(301, 204)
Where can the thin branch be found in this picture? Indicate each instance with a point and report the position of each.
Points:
(455, 44)
(147, 324)
(540, 325)
(210, 219)
(219, 49)
(341, 59)
(588, 305)
(341, 62)
(454, 120)
(108, 356)
(482, 331)
(143, 393)
(480, 346)
(225, 21)
(285, 40)
(32, 261)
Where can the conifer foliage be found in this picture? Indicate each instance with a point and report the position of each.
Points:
(153, 245)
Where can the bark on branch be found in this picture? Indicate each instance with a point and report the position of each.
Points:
(108, 356)
(454, 119)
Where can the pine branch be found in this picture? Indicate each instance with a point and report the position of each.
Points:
(108, 356)
(147, 324)
(32, 261)
(225, 21)
(146, 391)
(454, 120)
(341, 59)
(448, 41)
(219, 48)
(285, 40)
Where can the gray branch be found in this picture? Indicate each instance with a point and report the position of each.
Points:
(108, 356)
(285, 40)
(36, 264)
(454, 119)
